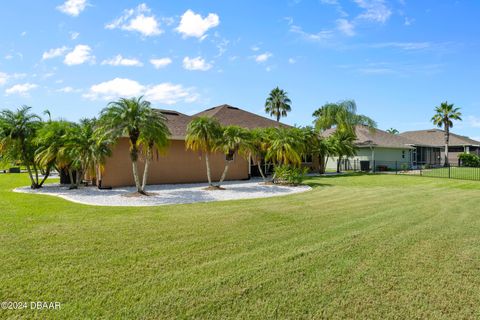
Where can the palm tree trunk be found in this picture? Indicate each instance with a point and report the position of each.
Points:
(78, 178)
(136, 177)
(70, 175)
(259, 164)
(338, 163)
(224, 174)
(47, 173)
(145, 170)
(29, 170)
(208, 170)
(447, 138)
(36, 175)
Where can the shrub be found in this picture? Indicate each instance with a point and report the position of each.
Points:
(286, 174)
(469, 160)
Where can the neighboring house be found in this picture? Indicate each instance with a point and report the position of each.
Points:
(375, 148)
(430, 146)
(178, 165)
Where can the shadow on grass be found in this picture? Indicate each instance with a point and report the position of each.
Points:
(320, 181)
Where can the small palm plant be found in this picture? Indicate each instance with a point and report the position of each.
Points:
(285, 147)
(444, 114)
(136, 119)
(278, 104)
(234, 140)
(203, 134)
(257, 148)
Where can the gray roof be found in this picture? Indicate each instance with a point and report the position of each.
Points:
(435, 138)
(378, 138)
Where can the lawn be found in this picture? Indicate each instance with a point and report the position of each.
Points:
(463, 173)
(356, 246)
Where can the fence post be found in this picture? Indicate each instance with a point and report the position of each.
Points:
(396, 167)
(449, 173)
(374, 166)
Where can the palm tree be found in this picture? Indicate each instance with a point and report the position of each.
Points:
(50, 142)
(278, 104)
(393, 131)
(444, 114)
(257, 148)
(18, 130)
(203, 134)
(285, 147)
(134, 118)
(343, 117)
(234, 140)
(343, 146)
(154, 137)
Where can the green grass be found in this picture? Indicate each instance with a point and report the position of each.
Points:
(462, 173)
(358, 246)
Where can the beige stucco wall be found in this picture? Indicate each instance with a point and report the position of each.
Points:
(383, 156)
(177, 165)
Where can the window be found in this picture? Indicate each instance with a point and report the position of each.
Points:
(403, 154)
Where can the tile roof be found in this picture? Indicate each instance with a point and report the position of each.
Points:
(177, 122)
(228, 115)
(378, 138)
(435, 137)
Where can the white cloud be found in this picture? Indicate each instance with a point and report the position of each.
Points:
(263, 57)
(74, 35)
(160, 63)
(118, 60)
(404, 45)
(21, 89)
(197, 63)
(374, 10)
(193, 25)
(166, 93)
(139, 19)
(346, 27)
(169, 93)
(68, 89)
(292, 61)
(53, 53)
(315, 37)
(73, 7)
(79, 55)
(474, 121)
(3, 78)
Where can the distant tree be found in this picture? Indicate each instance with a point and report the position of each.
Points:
(444, 114)
(203, 134)
(278, 104)
(18, 130)
(393, 131)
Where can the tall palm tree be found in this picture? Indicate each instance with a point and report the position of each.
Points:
(278, 104)
(444, 114)
(18, 130)
(203, 134)
(154, 137)
(234, 140)
(131, 117)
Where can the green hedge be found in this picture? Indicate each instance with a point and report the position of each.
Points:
(469, 160)
(286, 174)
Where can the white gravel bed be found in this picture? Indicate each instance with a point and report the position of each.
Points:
(166, 193)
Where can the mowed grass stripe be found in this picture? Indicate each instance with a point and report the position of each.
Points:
(353, 247)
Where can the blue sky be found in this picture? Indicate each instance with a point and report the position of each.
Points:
(397, 58)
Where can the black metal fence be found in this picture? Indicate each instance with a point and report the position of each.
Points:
(451, 171)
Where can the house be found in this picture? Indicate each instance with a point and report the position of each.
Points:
(178, 165)
(375, 149)
(430, 146)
